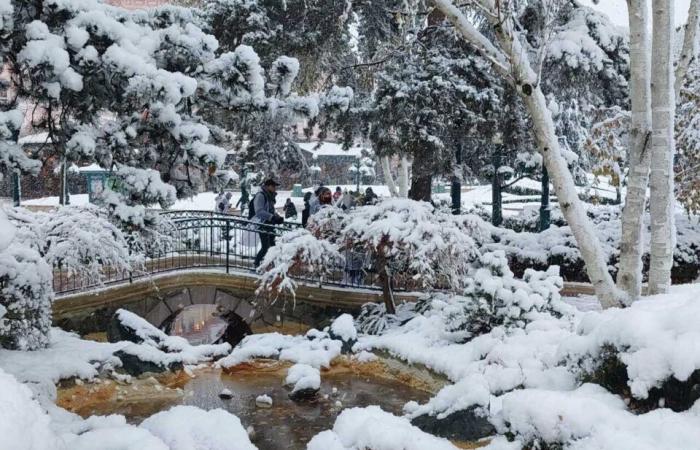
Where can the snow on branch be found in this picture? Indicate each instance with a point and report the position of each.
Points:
(80, 240)
(296, 252)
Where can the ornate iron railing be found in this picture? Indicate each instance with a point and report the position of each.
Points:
(209, 240)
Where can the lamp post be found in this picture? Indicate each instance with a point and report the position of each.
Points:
(545, 218)
(496, 195)
(456, 186)
(16, 188)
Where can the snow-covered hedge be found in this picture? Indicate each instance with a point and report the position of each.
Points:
(557, 246)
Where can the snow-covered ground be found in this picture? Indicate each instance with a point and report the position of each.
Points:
(526, 379)
(471, 196)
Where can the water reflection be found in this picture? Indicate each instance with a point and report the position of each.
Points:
(199, 324)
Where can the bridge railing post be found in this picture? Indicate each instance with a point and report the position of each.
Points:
(228, 243)
(211, 238)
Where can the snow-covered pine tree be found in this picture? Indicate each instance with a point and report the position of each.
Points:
(688, 142)
(426, 101)
(505, 46)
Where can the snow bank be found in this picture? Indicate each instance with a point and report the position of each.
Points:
(364, 428)
(66, 356)
(656, 339)
(24, 425)
(526, 378)
(590, 418)
(191, 428)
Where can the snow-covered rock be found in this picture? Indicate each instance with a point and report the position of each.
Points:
(317, 351)
(343, 328)
(306, 381)
(263, 401)
(152, 350)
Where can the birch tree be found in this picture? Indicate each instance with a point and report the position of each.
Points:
(690, 45)
(629, 277)
(510, 59)
(663, 107)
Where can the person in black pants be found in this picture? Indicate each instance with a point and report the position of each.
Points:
(265, 215)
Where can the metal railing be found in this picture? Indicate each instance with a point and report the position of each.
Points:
(209, 240)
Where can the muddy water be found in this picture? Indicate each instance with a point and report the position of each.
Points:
(286, 425)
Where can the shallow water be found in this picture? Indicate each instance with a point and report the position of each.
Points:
(285, 425)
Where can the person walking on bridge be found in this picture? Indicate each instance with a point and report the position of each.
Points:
(265, 215)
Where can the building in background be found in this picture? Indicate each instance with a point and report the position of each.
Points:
(137, 4)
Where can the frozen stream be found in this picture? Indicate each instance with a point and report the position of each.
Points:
(286, 424)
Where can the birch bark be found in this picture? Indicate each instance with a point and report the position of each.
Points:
(663, 108)
(388, 178)
(690, 45)
(404, 177)
(629, 275)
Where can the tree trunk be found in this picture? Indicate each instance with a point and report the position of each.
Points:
(422, 180)
(496, 186)
(63, 198)
(385, 281)
(690, 45)
(663, 109)
(518, 68)
(629, 275)
(456, 186)
(388, 178)
(404, 167)
(545, 213)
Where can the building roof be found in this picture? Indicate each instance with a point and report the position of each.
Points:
(37, 138)
(331, 149)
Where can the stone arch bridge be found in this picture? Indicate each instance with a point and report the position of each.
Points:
(208, 259)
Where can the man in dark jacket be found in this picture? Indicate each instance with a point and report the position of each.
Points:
(265, 215)
(306, 212)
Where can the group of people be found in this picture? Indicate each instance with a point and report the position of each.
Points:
(322, 197)
(261, 209)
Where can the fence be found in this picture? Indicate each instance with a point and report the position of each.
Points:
(205, 239)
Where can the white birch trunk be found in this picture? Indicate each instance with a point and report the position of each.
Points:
(513, 62)
(663, 106)
(629, 275)
(388, 178)
(404, 178)
(690, 45)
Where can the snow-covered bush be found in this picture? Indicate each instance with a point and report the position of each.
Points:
(493, 297)
(647, 353)
(409, 243)
(373, 318)
(26, 292)
(82, 241)
(296, 252)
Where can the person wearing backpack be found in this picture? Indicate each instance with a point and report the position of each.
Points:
(265, 215)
